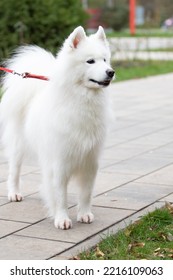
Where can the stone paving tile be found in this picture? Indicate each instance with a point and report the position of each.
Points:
(25, 170)
(2, 160)
(24, 248)
(3, 200)
(132, 196)
(114, 141)
(106, 181)
(104, 217)
(122, 124)
(9, 227)
(168, 198)
(2, 180)
(163, 151)
(163, 176)
(30, 210)
(3, 189)
(123, 152)
(154, 140)
(137, 131)
(142, 164)
(106, 162)
(29, 185)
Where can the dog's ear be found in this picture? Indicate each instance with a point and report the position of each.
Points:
(101, 34)
(76, 37)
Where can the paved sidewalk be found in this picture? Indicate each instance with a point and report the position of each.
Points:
(136, 175)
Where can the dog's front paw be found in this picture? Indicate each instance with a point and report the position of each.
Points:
(15, 197)
(86, 218)
(63, 223)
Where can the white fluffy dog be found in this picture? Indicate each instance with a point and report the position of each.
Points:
(63, 120)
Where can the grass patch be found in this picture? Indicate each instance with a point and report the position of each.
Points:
(168, 49)
(135, 69)
(149, 238)
(155, 32)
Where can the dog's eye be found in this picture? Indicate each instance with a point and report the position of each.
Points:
(104, 59)
(90, 61)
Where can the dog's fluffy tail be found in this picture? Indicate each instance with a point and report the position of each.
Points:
(18, 92)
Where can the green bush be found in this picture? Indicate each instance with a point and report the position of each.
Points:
(116, 17)
(43, 22)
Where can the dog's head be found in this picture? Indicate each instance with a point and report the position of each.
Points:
(90, 58)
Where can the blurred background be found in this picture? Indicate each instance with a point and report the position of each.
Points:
(114, 14)
(140, 32)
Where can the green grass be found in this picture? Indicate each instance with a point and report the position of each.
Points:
(147, 32)
(149, 238)
(136, 69)
(160, 50)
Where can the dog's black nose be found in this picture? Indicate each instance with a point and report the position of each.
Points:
(110, 73)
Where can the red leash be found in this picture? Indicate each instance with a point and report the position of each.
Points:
(25, 74)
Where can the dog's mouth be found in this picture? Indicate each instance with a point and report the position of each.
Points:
(104, 83)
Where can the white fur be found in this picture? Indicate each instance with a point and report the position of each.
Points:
(63, 120)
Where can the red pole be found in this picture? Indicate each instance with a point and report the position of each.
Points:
(132, 4)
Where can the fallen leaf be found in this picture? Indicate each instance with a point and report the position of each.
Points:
(75, 258)
(99, 253)
(159, 255)
(137, 222)
(169, 237)
(161, 234)
(169, 250)
(141, 244)
(136, 244)
(127, 232)
(129, 248)
(169, 206)
(157, 250)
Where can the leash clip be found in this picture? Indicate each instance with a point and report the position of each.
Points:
(24, 75)
(16, 73)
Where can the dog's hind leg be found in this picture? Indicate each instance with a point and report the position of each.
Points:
(15, 162)
(13, 181)
(14, 150)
